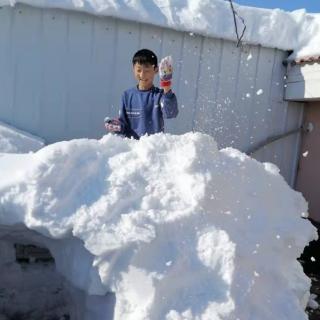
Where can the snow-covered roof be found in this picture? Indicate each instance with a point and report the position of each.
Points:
(13, 140)
(297, 30)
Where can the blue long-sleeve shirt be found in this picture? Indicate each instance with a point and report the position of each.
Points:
(143, 111)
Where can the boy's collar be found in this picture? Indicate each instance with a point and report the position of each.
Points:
(151, 88)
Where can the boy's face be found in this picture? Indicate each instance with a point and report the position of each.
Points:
(144, 74)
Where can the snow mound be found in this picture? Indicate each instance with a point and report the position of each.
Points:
(297, 30)
(13, 140)
(177, 229)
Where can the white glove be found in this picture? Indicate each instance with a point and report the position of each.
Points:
(165, 71)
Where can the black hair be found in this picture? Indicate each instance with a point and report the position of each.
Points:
(145, 56)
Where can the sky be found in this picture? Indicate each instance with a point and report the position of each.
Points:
(288, 5)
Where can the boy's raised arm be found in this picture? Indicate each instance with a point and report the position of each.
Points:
(169, 105)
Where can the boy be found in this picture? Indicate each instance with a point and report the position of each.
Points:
(145, 106)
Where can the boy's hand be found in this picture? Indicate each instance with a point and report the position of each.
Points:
(165, 72)
(112, 125)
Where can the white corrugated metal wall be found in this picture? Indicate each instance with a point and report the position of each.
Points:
(62, 72)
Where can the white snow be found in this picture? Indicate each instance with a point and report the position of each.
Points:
(259, 92)
(297, 30)
(312, 303)
(147, 220)
(249, 56)
(13, 140)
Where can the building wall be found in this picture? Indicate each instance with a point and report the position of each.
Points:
(308, 178)
(303, 81)
(62, 72)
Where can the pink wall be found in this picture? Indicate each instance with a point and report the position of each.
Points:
(308, 178)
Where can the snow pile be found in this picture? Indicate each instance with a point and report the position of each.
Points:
(175, 227)
(297, 30)
(13, 140)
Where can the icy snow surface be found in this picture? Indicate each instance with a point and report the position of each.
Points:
(175, 227)
(13, 140)
(297, 30)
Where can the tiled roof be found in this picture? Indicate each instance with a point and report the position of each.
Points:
(309, 59)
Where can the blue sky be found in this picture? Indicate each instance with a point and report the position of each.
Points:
(289, 5)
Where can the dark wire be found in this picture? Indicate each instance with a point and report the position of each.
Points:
(235, 14)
